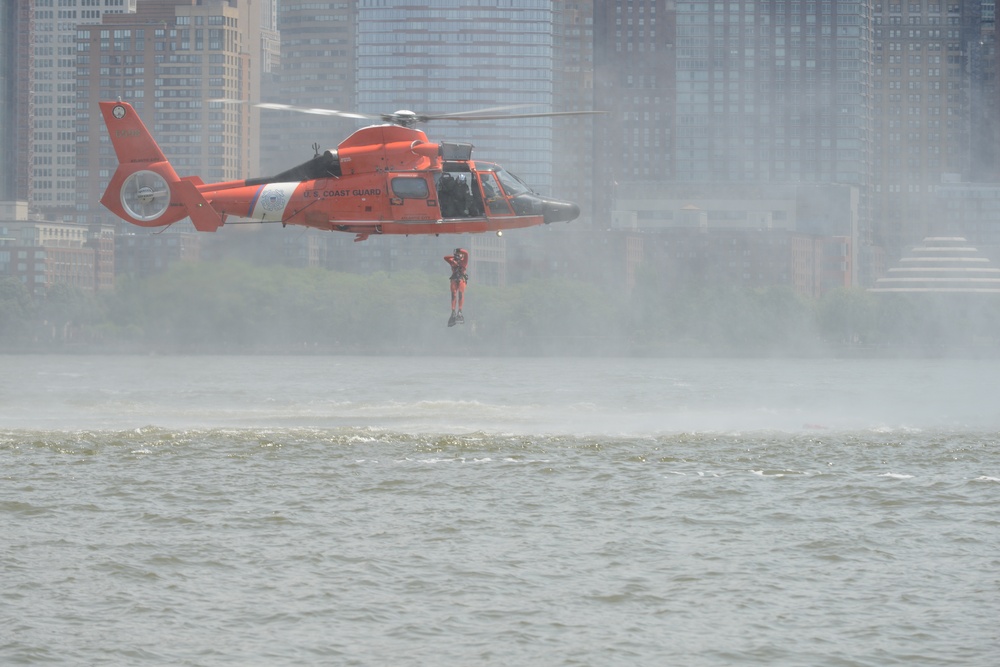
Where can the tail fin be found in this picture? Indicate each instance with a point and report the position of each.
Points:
(145, 190)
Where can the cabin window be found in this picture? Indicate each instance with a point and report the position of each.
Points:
(410, 188)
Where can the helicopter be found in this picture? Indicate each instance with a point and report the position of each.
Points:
(386, 178)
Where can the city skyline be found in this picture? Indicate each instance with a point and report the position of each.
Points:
(894, 99)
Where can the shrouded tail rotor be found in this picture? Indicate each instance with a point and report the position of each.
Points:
(145, 195)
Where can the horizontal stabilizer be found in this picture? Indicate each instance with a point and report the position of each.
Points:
(204, 217)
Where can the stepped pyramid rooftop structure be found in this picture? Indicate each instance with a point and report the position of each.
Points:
(941, 264)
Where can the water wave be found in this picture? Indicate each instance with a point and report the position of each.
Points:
(720, 514)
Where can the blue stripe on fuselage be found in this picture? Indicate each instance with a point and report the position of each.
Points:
(253, 202)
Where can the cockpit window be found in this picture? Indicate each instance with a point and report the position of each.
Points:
(512, 185)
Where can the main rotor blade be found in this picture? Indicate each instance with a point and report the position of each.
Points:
(477, 116)
(507, 107)
(318, 112)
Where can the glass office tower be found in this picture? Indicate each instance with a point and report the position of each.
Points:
(447, 57)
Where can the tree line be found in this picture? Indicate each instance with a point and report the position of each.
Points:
(236, 307)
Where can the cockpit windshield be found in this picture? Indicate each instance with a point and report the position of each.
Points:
(512, 184)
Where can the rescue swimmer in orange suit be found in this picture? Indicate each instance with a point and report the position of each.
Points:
(459, 263)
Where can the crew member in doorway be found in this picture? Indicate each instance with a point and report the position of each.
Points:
(459, 263)
(453, 196)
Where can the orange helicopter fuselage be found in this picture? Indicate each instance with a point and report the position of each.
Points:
(383, 179)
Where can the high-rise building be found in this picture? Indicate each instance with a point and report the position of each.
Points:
(930, 86)
(573, 154)
(738, 92)
(715, 95)
(191, 69)
(984, 100)
(887, 96)
(442, 56)
(52, 150)
(634, 81)
(13, 58)
(316, 72)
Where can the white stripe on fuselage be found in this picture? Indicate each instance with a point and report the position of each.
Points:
(273, 199)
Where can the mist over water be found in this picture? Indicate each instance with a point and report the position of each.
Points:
(350, 510)
(601, 397)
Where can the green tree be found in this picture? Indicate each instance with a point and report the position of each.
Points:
(16, 311)
(848, 316)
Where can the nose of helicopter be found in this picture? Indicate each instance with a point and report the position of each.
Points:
(554, 210)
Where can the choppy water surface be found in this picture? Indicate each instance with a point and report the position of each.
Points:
(349, 511)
